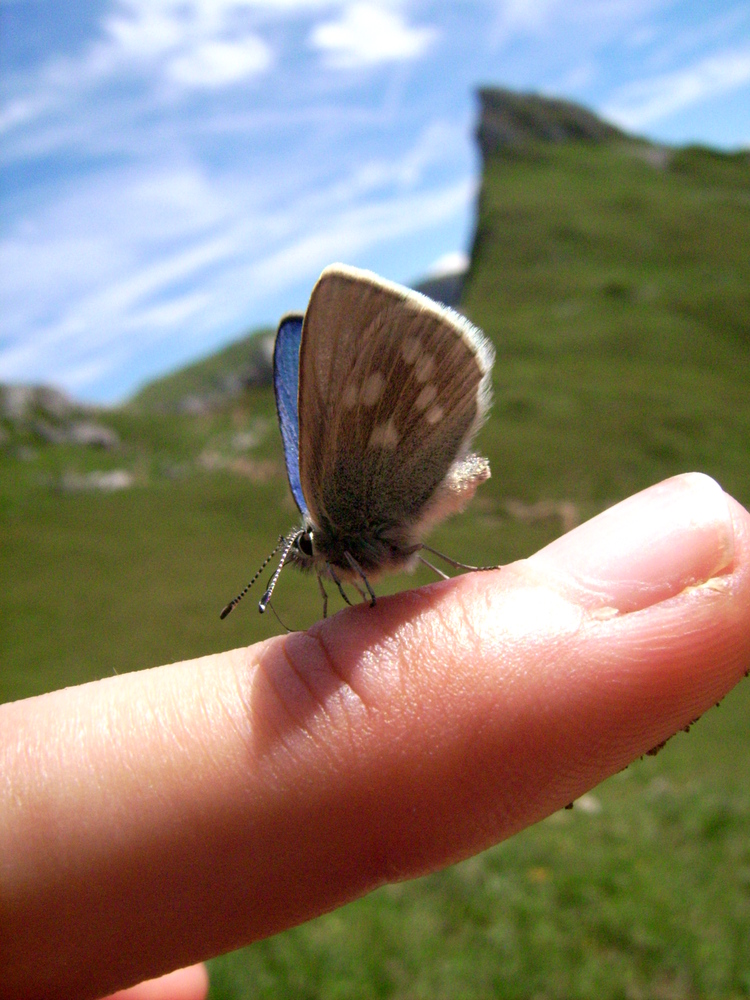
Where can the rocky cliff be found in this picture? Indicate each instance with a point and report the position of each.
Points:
(510, 121)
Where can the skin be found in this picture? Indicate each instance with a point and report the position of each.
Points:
(154, 819)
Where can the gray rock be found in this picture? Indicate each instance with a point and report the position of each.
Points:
(95, 435)
(49, 432)
(510, 121)
(53, 401)
(194, 405)
(114, 479)
(18, 402)
(445, 288)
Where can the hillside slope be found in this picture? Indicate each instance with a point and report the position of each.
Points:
(614, 279)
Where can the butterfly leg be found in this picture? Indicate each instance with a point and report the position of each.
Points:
(433, 568)
(452, 562)
(323, 594)
(360, 591)
(338, 584)
(358, 569)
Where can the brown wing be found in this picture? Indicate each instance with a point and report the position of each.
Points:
(391, 389)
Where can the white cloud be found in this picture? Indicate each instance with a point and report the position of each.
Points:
(647, 101)
(440, 142)
(570, 29)
(18, 111)
(367, 35)
(359, 228)
(218, 63)
(196, 42)
(455, 262)
(145, 30)
(74, 273)
(526, 15)
(574, 79)
(193, 44)
(172, 313)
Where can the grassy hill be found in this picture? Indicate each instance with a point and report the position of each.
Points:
(614, 279)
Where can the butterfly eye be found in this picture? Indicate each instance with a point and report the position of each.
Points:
(304, 543)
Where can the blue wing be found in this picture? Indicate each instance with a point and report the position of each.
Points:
(285, 385)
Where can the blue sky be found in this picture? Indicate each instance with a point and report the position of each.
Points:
(176, 173)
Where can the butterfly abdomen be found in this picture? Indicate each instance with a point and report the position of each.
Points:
(375, 548)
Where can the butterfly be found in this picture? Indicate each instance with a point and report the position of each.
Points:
(379, 393)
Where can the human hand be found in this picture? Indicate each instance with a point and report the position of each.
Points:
(154, 819)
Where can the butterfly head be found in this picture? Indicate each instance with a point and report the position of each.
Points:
(303, 551)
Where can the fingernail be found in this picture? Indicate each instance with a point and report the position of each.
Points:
(646, 549)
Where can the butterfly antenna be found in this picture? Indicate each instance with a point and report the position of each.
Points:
(288, 543)
(238, 598)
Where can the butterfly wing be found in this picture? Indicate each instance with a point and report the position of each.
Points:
(285, 386)
(392, 389)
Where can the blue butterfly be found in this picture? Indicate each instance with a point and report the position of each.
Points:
(379, 393)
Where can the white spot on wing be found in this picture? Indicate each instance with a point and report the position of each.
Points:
(349, 398)
(384, 435)
(425, 397)
(372, 389)
(410, 348)
(424, 367)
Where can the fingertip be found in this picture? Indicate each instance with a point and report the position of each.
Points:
(190, 983)
(647, 548)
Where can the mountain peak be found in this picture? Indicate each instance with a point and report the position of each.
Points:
(509, 120)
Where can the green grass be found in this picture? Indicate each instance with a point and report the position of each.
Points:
(618, 297)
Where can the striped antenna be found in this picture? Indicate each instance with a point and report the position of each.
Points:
(289, 542)
(232, 604)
